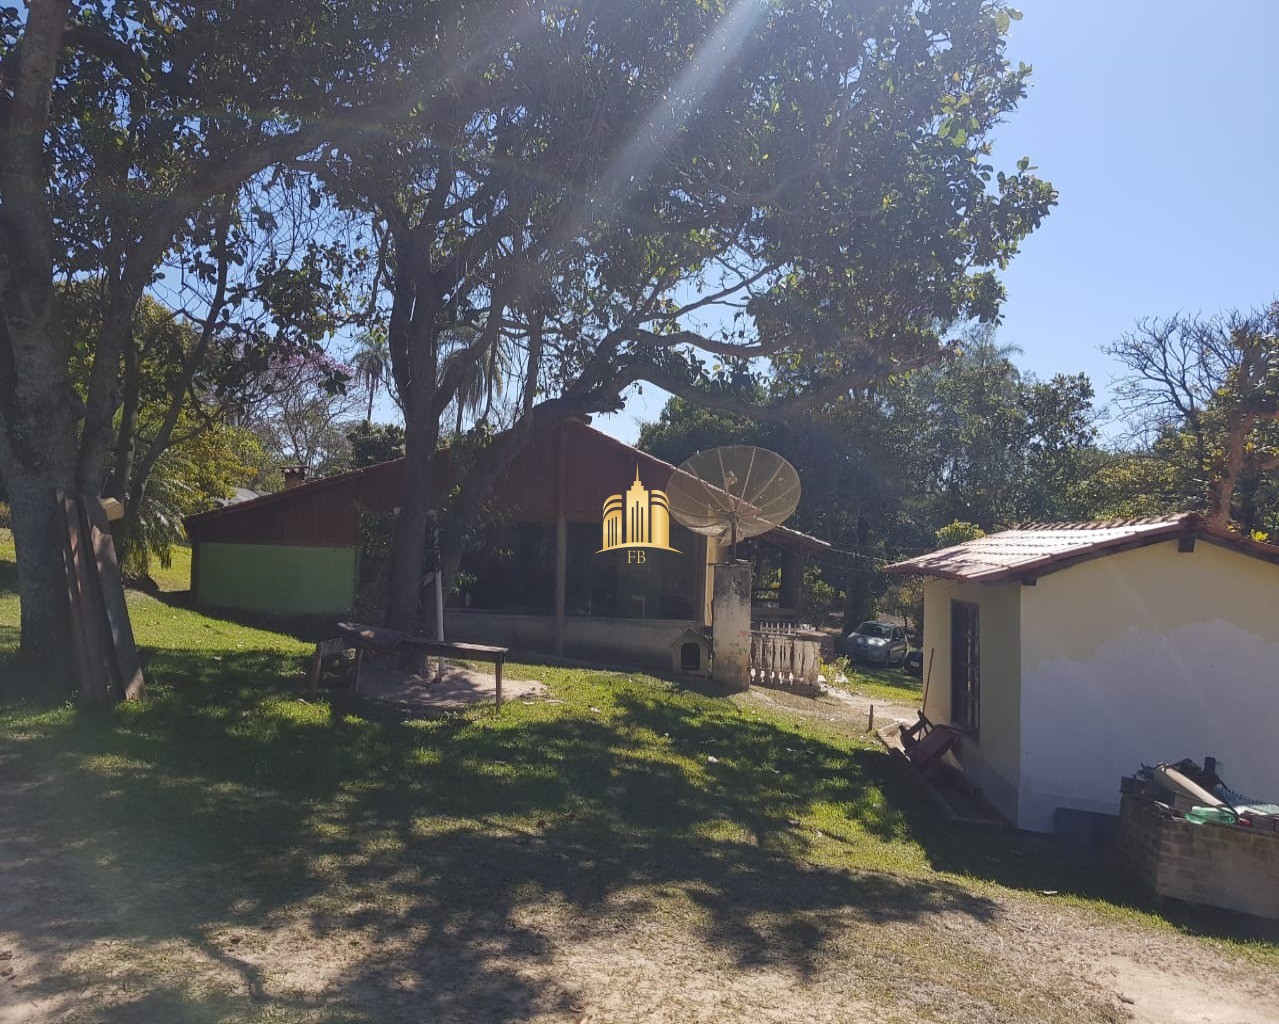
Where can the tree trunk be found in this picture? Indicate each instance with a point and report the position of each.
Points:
(127, 435)
(40, 461)
(37, 405)
(103, 397)
(1225, 475)
(408, 542)
(857, 603)
(42, 585)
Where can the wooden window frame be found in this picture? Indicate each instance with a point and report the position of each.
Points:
(965, 666)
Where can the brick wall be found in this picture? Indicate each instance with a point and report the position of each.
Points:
(1233, 868)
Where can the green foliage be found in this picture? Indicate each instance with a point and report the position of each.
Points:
(957, 533)
(802, 175)
(188, 477)
(979, 441)
(971, 439)
(371, 362)
(905, 598)
(372, 443)
(684, 428)
(304, 412)
(1128, 484)
(818, 599)
(376, 530)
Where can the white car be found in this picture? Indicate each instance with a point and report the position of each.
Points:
(880, 643)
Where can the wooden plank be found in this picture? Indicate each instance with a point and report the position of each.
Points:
(461, 650)
(323, 650)
(364, 638)
(95, 683)
(70, 541)
(124, 650)
(381, 639)
(376, 637)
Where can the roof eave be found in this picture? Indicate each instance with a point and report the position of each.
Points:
(288, 493)
(1190, 525)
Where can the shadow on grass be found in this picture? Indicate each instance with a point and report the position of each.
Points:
(307, 628)
(889, 676)
(227, 806)
(228, 803)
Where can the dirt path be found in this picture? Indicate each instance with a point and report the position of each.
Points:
(652, 953)
(861, 705)
(457, 687)
(852, 711)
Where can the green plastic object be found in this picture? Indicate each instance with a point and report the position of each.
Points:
(1211, 816)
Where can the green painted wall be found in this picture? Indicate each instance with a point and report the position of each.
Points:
(279, 578)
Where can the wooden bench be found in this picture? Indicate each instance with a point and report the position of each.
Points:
(389, 641)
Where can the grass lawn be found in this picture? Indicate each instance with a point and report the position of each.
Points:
(891, 685)
(176, 576)
(228, 850)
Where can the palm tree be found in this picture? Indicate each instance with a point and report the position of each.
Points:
(372, 364)
(486, 374)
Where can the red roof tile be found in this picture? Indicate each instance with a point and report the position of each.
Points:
(1035, 549)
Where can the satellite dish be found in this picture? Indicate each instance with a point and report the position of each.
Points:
(733, 493)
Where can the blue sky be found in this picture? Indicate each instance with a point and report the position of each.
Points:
(1157, 123)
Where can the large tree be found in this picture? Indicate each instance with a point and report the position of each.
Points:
(574, 203)
(121, 125)
(301, 408)
(171, 424)
(971, 438)
(977, 440)
(1202, 394)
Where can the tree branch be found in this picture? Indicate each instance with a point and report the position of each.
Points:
(91, 40)
(177, 393)
(26, 229)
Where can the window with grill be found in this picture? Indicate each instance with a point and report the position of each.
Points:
(965, 665)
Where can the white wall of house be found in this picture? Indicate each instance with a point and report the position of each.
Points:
(992, 757)
(1144, 656)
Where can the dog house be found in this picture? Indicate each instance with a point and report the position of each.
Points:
(691, 654)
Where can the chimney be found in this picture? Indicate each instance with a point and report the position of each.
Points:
(294, 476)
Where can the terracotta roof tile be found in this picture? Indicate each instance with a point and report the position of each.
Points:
(1035, 548)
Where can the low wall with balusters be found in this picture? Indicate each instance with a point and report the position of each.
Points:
(786, 659)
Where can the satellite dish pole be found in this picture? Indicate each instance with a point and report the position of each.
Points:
(730, 494)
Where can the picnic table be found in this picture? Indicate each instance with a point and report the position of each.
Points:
(381, 640)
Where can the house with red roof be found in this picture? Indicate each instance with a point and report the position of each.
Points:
(559, 570)
(1069, 654)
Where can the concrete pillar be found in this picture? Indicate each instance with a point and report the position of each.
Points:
(714, 552)
(788, 595)
(731, 628)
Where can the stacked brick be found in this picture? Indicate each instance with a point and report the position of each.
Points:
(1232, 867)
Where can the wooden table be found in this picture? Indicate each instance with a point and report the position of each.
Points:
(387, 641)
